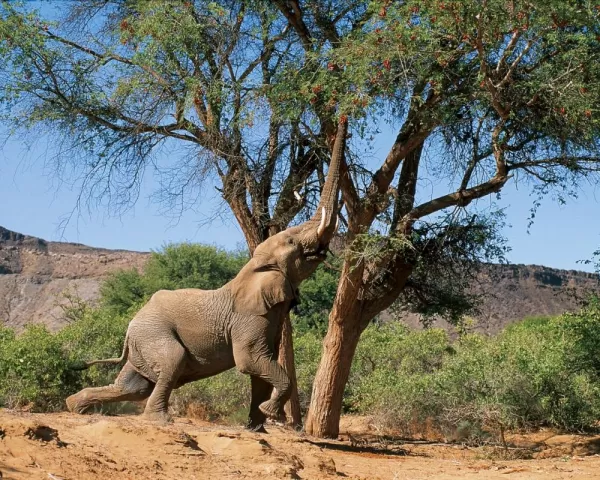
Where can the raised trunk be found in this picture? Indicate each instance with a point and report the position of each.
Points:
(329, 195)
(329, 204)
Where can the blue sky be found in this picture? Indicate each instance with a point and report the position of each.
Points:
(38, 203)
(35, 203)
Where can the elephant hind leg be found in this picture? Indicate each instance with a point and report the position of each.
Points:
(172, 355)
(128, 386)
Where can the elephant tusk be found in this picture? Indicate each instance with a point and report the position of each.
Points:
(321, 228)
(337, 223)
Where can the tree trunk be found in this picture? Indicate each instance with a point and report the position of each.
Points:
(286, 360)
(339, 346)
(328, 388)
(348, 319)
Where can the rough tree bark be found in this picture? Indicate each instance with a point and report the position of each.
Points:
(339, 346)
(350, 315)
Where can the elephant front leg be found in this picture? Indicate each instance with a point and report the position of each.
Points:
(268, 370)
(273, 408)
(261, 391)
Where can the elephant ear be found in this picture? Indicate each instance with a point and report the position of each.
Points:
(258, 288)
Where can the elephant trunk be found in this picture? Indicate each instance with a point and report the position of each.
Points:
(326, 214)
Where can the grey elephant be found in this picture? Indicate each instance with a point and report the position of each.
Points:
(185, 335)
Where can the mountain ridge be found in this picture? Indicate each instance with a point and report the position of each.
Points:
(35, 274)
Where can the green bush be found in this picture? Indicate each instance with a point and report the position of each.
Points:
(96, 334)
(224, 396)
(36, 367)
(34, 372)
(393, 372)
(183, 265)
(307, 353)
(556, 387)
(583, 329)
(122, 290)
(535, 373)
(316, 297)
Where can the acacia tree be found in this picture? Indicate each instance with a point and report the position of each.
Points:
(479, 93)
(501, 90)
(117, 83)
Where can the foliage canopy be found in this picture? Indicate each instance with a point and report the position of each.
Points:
(478, 93)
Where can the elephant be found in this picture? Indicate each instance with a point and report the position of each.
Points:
(181, 336)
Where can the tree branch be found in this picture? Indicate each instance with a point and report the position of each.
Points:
(508, 50)
(461, 198)
(111, 56)
(325, 24)
(293, 14)
(407, 186)
(514, 65)
(565, 161)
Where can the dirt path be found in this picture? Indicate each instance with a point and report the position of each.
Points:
(70, 447)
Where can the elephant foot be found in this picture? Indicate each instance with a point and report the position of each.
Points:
(259, 428)
(157, 417)
(77, 403)
(273, 410)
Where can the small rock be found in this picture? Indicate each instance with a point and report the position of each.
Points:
(264, 443)
(188, 441)
(45, 434)
(327, 465)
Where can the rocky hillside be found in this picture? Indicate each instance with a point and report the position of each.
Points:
(513, 292)
(35, 274)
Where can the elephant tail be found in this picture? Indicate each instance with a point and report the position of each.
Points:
(114, 361)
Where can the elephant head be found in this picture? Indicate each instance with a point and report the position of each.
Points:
(281, 262)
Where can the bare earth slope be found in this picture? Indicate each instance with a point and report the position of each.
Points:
(71, 447)
(35, 273)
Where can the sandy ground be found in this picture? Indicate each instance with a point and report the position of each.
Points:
(71, 447)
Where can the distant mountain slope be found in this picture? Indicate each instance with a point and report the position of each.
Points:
(513, 292)
(35, 273)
